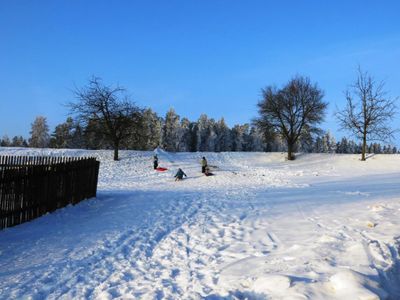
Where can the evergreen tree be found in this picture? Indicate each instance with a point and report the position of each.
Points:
(171, 131)
(202, 133)
(256, 140)
(212, 137)
(39, 133)
(18, 141)
(239, 137)
(152, 129)
(224, 142)
(93, 136)
(318, 145)
(5, 141)
(62, 135)
(185, 136)
(77, 139)
(331, 142)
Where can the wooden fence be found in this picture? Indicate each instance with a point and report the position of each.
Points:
(33, 186)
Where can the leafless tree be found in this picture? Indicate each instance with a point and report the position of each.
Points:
(107, 106)
(291, 112)
(368, 111)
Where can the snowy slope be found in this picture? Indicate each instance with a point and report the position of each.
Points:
(321, 227)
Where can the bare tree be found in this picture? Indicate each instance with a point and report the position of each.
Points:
(107, 106)
(291, 112)
(368, 111)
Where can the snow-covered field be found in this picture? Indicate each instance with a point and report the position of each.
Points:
(321, 227)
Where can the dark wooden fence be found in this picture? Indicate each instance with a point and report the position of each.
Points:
(33, 186)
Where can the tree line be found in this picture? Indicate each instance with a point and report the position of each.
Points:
(217, 137)
(104, 117)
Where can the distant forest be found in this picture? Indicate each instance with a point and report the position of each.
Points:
(177, 134)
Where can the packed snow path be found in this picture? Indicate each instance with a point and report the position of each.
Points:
(321, 227)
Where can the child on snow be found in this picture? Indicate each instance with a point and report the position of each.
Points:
(203, 165)
(155, 161)
(179, 175)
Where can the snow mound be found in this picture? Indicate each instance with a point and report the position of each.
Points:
(348, 284)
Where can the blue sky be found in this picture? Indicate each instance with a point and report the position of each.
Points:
(198, 57)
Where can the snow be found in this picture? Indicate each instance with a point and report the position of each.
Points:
(321, 227)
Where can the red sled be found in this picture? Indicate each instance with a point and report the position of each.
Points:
(161, 169)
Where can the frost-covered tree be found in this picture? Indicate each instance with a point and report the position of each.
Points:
(152, 129)
(331, 142)
(224, 137)
(5, 141)
(77, 139)
(256, 140)
(318, 145)
(240, 137)
(171, 131)
(40, 136)
(185, 135)
(94, 136)
(19, 141)
(305, 142)
(202, 133)
(342, 146)
(62, 135)
(212, 138)
(325, 144)
(247, 143)
(137, 134)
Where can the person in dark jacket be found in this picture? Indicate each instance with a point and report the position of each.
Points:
(155, 161)
(179, 175)
(203, 164)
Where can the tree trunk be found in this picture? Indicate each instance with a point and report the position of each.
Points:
(290, 151)
(116, 147)
(364, 147)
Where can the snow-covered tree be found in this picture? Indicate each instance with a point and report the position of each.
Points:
(152, 129)
(202, 133)
(77, 139)
(331, 143)
(62, 135)
(5, 141)
(185, 135)
(318, 145)
(39, 133)
(212, 138)
(171, 131)
(256, 140)
(94, 137)
(224, 138)
(342, 146)
(240, 139)
(18, 141)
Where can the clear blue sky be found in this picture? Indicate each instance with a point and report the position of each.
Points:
(208, 57)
